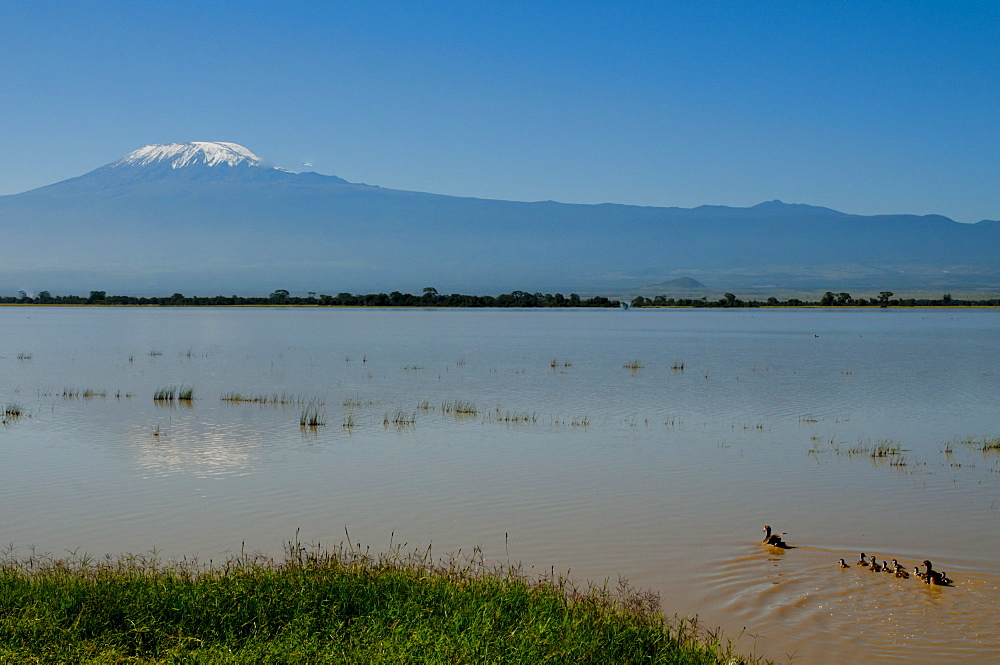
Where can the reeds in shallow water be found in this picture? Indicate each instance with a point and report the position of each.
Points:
(168, 394)
(459, 407)
(400, 420)
(986, 444)
(273, 399)
(13, 410)
(312, 416)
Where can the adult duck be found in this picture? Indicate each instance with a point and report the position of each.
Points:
(773, 539)
(932, 576)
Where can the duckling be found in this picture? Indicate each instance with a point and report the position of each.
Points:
(916, 572)
(842, 564)
(774, 540)
(861, 561)
(886, 568)
(900, 573)
(874, 567)
(945, 580)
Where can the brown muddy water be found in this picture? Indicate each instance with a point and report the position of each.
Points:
(650, 445)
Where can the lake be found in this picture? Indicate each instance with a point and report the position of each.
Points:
(648, 444)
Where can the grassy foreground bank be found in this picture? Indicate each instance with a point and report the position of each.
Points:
(339, 605)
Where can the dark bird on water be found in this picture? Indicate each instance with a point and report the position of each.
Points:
(934, 577)
(773, 539)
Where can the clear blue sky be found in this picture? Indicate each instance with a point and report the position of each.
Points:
(866, 107)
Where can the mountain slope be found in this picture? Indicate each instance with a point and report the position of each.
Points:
(212, 218)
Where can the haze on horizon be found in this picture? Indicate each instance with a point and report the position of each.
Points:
(867, 108)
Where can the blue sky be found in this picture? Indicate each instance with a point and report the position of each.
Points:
(865, 107)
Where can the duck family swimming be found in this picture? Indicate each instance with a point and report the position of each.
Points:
(929, 576)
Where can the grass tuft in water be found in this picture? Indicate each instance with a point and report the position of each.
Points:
(312, 416)
(400, 420)
(985, 443)
(13, 410)
(459, 407)
(166, 394)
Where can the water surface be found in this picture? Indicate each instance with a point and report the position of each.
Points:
(663, 474)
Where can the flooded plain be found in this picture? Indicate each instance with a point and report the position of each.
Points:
(651, 445)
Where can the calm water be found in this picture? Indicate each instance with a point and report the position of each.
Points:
(658, 474)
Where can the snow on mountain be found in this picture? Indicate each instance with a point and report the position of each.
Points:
(179, 155)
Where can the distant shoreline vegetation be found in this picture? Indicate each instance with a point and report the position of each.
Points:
(431, 298)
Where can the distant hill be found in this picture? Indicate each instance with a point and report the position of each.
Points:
(213, 218)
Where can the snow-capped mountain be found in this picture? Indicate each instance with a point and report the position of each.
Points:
(179, 155)
(211, 217)
(184, 163)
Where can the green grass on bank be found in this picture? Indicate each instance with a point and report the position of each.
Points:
(320, 605)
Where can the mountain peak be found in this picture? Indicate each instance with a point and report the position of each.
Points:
(180, 155)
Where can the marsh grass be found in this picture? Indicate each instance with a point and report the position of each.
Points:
(273, 399)
(356, 403)
(312, 416)
(86, 393)
(24, 356)
(677, 366)
(884, 452)
(511, 417)
(166, 394)
(337, 605)
(985, 443)
(634, 365)
(13, 410)
(400, 420)
(459, 407)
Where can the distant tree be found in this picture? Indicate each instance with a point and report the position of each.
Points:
(827, 300)
(279, 296)
(728, 300)
(97, 296)
(883, 298)
(43, 296)
(772, 301)
(946, 299)
(638, 301)
(842, 299)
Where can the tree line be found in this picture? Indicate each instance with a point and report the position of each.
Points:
(431, 298)
(829, 299)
